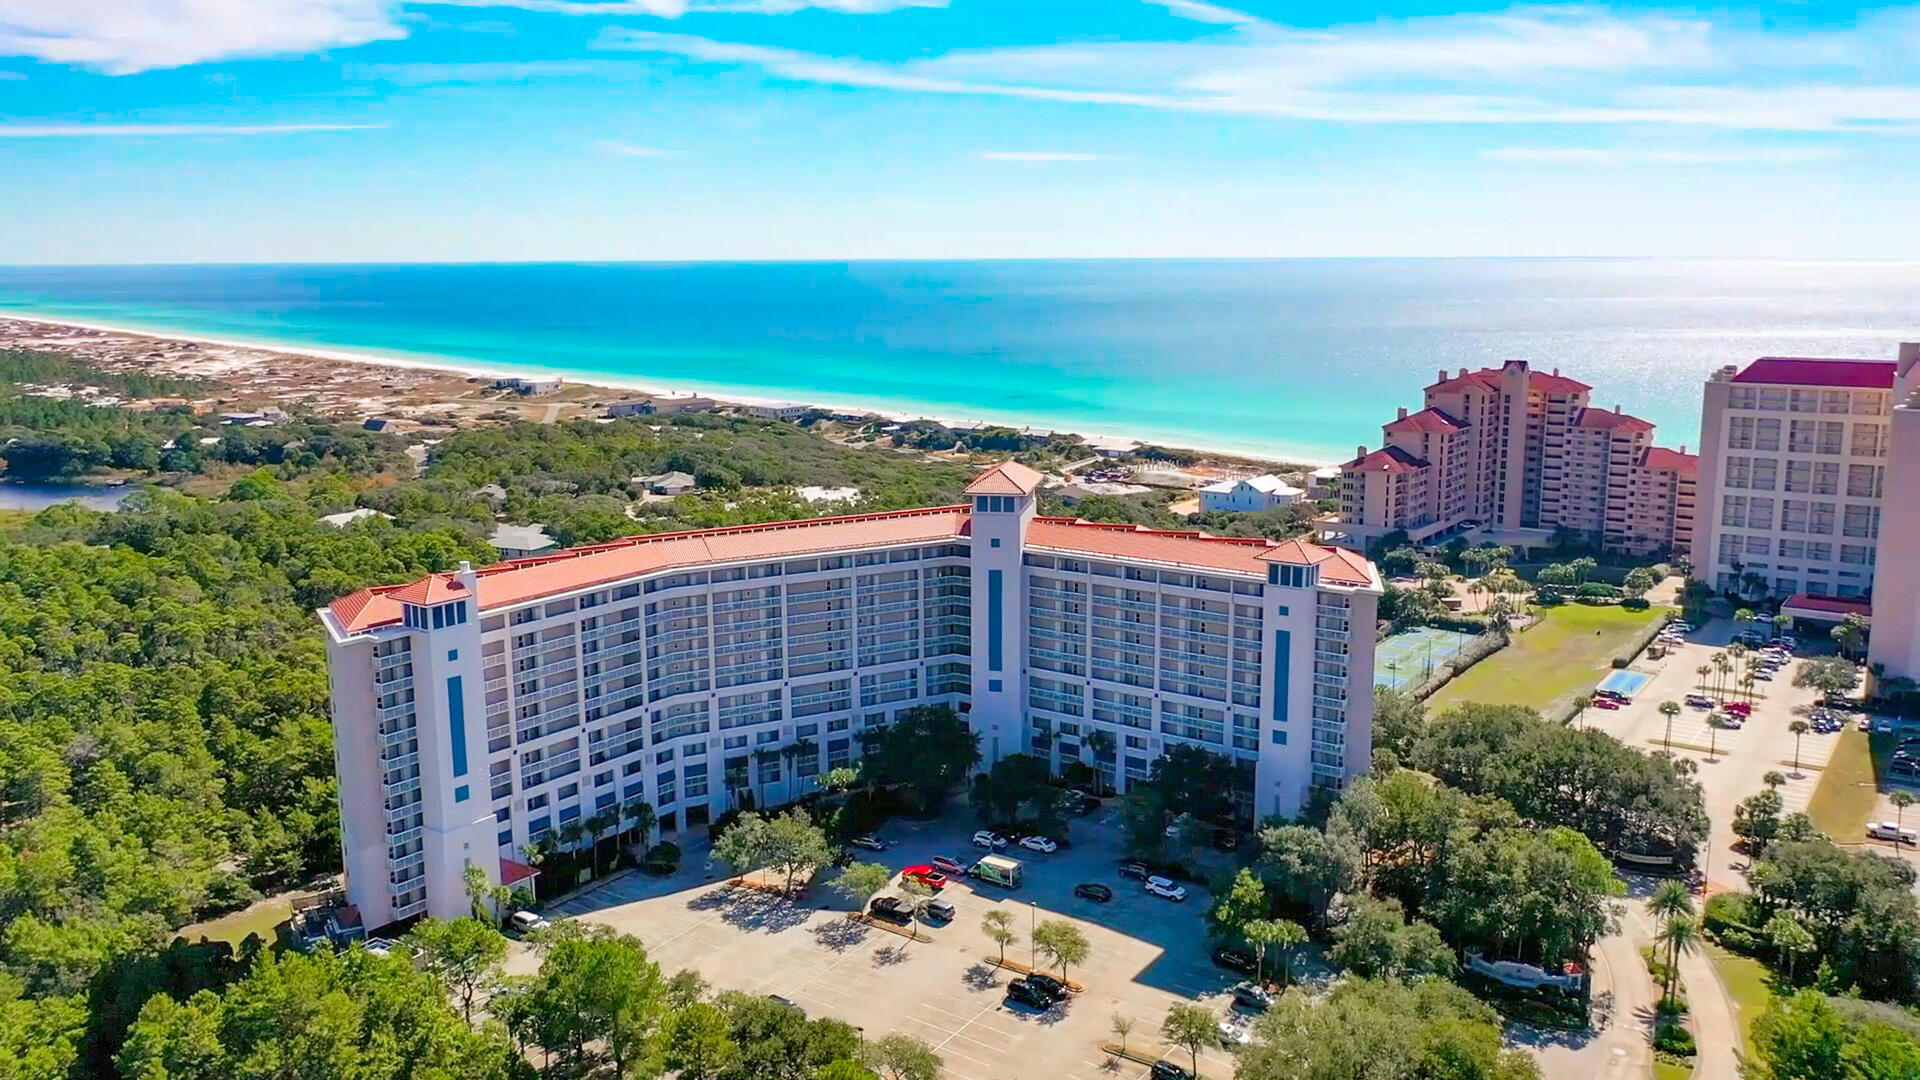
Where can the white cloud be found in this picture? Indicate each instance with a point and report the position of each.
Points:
(673, 9)
(124, 36)
(64, 131)
(1753, 155)
(1561, 66)
(1206, 13)
(1036, 155)
(632, 150)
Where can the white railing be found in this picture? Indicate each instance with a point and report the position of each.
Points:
(403, 787)
(381, 663)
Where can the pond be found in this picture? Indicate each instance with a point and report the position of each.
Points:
(37, 497)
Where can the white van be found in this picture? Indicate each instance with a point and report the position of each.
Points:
(1887, 830)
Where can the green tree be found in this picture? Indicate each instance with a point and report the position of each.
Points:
(795, 843)
(1398, 719)
(1851, 636)
(1757, 819)
(698, 1045)
(594, 986)
(1832, 676)
(1063, 943)
(1240, 903)
(1284, 935)
(1801, 1038)
(1122, 1027)
(1791, 940)
(464, 954)
(1190, 1027)
(1668, 709)
(1307, 865)
(1680, 934)
(1798, 728)
(927, 752)
(1383, 1030)
(860, 881)
(746, 845)
(902, 1057)
(998, 926)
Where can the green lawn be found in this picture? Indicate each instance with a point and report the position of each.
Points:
(1848, 789)
(1670, 1070)
(260, 919)
(1565, 655)
(1749, 984)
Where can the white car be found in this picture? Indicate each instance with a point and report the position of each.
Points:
(987, 838)
(526, 922)
(1040, 844)
(1165, 887)
(1234, 1033)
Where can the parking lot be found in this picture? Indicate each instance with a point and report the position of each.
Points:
(1147, 953)
(1738, 760)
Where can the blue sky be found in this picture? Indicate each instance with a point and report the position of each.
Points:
(283, 130)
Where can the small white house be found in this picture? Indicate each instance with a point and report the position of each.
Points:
(666, 483)
(1323, 482)
(530, 387)
(520, 541)
(779, 410)
(1249, 494)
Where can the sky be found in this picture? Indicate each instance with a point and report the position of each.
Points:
(497, 130)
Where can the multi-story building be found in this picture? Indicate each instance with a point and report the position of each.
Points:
(1794, 463)
(479, 710)
(1514, 454)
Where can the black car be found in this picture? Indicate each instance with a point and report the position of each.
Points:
(1097, 893)
(1167, 1070)
(1053, 988)
(892, 909)
(778, 1000)
(1028, 994)
(1136, 870)
(1234, 960)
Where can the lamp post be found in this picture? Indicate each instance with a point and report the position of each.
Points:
(1033, 947)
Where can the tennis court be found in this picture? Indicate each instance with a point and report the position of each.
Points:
(1408, 657)
(1625, 683)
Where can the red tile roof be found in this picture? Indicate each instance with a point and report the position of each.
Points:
(1808, 371)
(1006, 478)
(1608, 420)
(1194, 549)
(512, 873)
(1830, 604)
(1428, 420)
(1489, 379)
(1387, 459)
(1667, 459)
(519, 580)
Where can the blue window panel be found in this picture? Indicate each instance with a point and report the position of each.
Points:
(634, 791)
(1279, 737)
(461, 794)
(569, 813)
(453, 654)
(1282, 662)
(505, 837)
(539, 825)
(995, 542)
(995, 620)
(993, 686)
(457, 722)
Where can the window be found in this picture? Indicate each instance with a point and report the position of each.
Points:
(1288, 576)
(1739, 472)
(1766, 434)
(1757, 545)
(1826, 478)
(1863, 481)
(1279, 737)
(1766, 472)
(1733, 511)
(994, 504)
(1861, 521)
(1800, 476)
(1866, 440)
(1740, 433)
(1760, 512)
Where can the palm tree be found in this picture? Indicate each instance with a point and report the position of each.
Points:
(1722, 667)
(1669, 709)
(1747, 685)
(1680, 934)
(1799, 728)
(736, 780)
(570, 834)
(1671, 901)
(641, 819)
(763, 759)
(1580, 705)
(1737, 656)
(1901, 800)
(1288, 936)
(1703, 671)
(804, 749)
(1714, 721)
(1774, 779)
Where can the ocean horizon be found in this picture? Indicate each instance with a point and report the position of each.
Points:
(1299, 359)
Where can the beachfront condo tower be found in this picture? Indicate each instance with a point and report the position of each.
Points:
(480, 710)
(1511, 455)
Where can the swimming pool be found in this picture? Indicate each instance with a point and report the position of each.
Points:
(1625, 683)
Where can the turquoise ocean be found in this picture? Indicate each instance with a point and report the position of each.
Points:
(1298, 358)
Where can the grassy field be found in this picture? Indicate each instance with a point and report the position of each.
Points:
(260, 919)
(1566, 654)
(1670, 1070)
(1749, 985)
(1848, 790)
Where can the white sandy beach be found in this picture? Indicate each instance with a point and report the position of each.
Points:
(223, 358)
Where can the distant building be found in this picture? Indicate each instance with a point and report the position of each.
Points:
(1324, 482)
(346, 518)
(664, 405)
(1249, 494)
(780, 410)
(520, 541)
(493, 493)
(530, 387)
(1109, 447)
(1519, 454)
(380, 423)
(667, 483)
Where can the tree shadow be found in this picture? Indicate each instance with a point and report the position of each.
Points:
(752, 909)
(890, 955)
(980, 977)
(839, 935)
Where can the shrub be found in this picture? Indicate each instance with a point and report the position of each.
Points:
(1598, 590)
(1674, 1039)
(1740, 940)
(1730, 911)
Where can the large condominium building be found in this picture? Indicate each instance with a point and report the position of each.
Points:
(1514, 454)
(1794, 463)
(478, 710)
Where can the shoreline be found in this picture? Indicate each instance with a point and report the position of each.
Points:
(638, 385)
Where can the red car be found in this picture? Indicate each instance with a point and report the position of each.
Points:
(1738, 708)
(1605, 703)
(926, 875)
